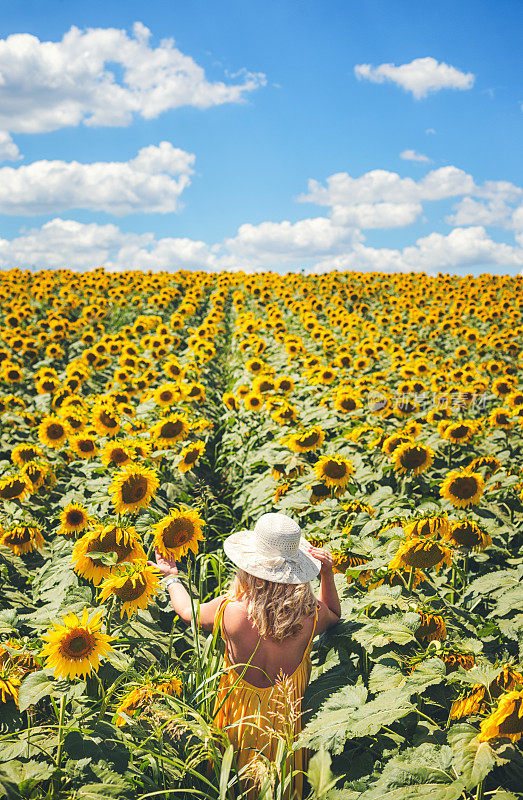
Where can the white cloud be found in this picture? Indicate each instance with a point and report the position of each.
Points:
(421, 76)
(8, 149)
(494, 207)
(430, 131)
(151, 182)
(376, 215)
(382, 186)
(67, 243)
(281, 242)
(48, 85)
(412, 155)
(462, 248)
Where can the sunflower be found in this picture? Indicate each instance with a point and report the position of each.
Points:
(253, 401)
(74, 519)
(171, 429)
(15, 487)
(139, 697)
(105, 419)
(500, 418)
(432, 627)
(412, 458)
(490, 465)
(477, 700)
(430, 527)
(344, 560)
(124, 542)
(457, 432)
(454, 659)
(395, 440)
(334, 470)
(24, 453)
(190, 455)
(421, 554)
(284, 384)
(167, 394)
(74, 649)
(467, 534)
(52, 431)
(230, 400)
(133, 584)
(306, 441)
(22, 539)
(133, 488)
(178, 533)
(319, 493)
(36, 473)
(507, 719)
(9, 684)
(399, 577)
(462, 488)
(84, 446)
(115, 454)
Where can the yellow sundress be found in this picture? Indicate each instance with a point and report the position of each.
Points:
(253, 717)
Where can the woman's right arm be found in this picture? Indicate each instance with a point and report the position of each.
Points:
(330, 608)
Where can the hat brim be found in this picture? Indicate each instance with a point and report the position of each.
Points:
(240, 547)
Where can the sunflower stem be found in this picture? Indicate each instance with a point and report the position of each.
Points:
(453, 584)
(479, 792)
(57, 777)
(410, 584)
(193, 617)
(450, 454)
(109, 618)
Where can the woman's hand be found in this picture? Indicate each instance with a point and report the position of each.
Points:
(325, 557)
(165, 565)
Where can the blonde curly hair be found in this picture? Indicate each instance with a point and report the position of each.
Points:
(277, 609)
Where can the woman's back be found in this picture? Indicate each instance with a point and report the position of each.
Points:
(267, 657)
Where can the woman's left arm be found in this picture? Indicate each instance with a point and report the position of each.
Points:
(181, 600)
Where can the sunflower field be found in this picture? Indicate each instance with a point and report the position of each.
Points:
(167, 410)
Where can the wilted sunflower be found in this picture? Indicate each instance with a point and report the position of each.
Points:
(36, 473)
(432, 627)
(124, 542)
(306, 441)
(15, 487)
(178, 533)
(467, 534)
(421, 554)
(462, 488)
(133, 584)
(334, 470)
(115, 454)
(190, 455)
(22, 539)
(74, 649)
(489, 465)
(25, 453)
(9, 684)
(319, 492)
(133, 488)
(430, 527)
(507, 719)
(73, 519)
(53, 432)
(83, 445)
(140, 696)
(457, 432)
(412, 458)
(476, 701)
(454, 659)
(171, 429)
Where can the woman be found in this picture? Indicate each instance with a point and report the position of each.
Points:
(267, 620)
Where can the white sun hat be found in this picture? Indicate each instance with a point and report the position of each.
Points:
(275, 550)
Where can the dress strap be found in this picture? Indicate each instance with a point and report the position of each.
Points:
(218, 617)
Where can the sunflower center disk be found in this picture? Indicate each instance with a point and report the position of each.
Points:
(464, 487)
(335, 470)
(131, 589)
(79, 644)
(55, 431)
(413, 458)
(134, 489)
(171, 429)
(178, 532)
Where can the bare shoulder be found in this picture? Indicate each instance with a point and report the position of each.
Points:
(235, 616)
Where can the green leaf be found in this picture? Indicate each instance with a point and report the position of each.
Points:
(320, 775)
(472, 759)
(225, 771)
(33, 688)
(328, 728)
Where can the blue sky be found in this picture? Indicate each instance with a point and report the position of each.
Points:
(313, 134)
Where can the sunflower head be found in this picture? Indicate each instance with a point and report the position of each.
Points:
(74, 519)
(429, 527)
(467, 534)
(412, 459)
(123, 542)
(462, 488)
(419, 553)
(169, 430)
(506, 720)
(134, 584)
(395, 440)
(15, 487)
(190, 455)
(432, 627)
(22, 539)
(25, 453)
(334, 470)
(178, 533)
(9, 684)
(75, 647)
(133, 488)
(306, 441)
